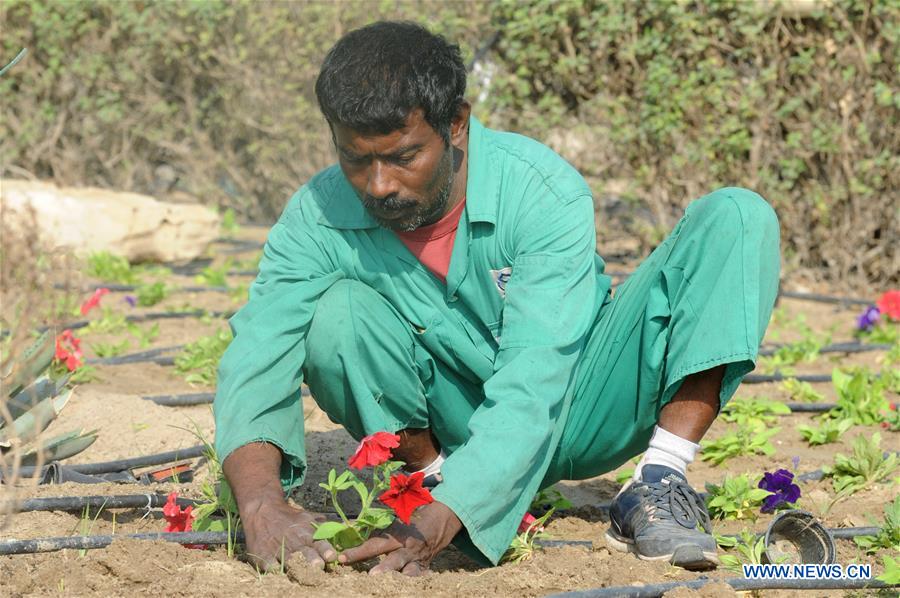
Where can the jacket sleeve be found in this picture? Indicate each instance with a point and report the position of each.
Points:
(490, 480)
(258, 393)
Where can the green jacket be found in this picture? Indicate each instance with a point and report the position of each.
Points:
(524, 286)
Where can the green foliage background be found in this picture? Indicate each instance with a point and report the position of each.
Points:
(675, 97)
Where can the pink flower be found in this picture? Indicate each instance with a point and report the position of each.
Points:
(374, 449)
(889, 304)
(93, 301)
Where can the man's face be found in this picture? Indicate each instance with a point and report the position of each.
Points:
(403, 178)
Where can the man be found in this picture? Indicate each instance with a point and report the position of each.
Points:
(441, 282)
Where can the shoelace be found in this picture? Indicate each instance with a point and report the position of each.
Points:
(679, 502)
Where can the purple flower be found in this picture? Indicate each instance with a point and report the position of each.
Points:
(785, 492)
(868, 318)
(131, 300)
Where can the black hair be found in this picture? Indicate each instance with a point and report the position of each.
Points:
(375, 76)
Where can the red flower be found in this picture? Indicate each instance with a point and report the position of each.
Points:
(68, 350)
(527, 521)
(374, 449)
(889, 304)
(406, 494)
(179, 519)
(93, 301)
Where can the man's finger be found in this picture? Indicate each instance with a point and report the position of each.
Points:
(326, 550)
(414, 569)
(369, 549)
(312, 556)
(395, 561)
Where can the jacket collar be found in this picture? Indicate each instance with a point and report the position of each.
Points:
(343, 209)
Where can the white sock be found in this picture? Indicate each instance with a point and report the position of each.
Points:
(434, 466)
(667, 449)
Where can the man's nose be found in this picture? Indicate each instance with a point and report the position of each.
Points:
(381, 183)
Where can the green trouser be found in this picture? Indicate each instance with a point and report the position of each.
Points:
(703, 298)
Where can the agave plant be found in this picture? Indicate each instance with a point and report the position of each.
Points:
(31, 399)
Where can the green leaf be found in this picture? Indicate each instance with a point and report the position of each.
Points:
(61, 447)
(376, 518)
(327, 530)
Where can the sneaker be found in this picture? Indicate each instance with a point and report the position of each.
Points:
(661, 518)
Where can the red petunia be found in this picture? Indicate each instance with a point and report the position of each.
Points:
(526, 523)
(68, 350)
(179, 520)
(406, 494)
(374, 449)
(93, 301)
(889, 304)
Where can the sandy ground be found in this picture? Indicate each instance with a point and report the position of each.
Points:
(132, 426)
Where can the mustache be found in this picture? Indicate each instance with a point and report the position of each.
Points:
(390, 203)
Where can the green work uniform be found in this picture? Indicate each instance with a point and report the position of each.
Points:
(522, 364)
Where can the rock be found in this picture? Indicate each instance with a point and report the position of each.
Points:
(89, 219)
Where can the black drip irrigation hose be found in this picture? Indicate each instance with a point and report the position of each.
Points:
(11, 547)
(196, 398)
(79, 503)
(161, 315)
(738, 584)
(150, 355)
(826, 298)
(125, 288)
(123, 464)
(762, 378)
(88, 542)
(848, 347)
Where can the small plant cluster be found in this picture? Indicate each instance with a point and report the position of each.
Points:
(866, 466)
(889, 535)
(199, 360)
(402, 493)
(805, 350)
(115, 268)
(739, 498)
(754, 438)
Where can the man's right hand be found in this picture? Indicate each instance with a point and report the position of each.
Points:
(273, 529)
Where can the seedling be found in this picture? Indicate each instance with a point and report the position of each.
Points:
(199, 360)
(110, 322)
(151, 294)
(802, 391)
(891, 573)
(829, 431)
(110, 349)
(750, 550)
(229, 222)
(737, 498)
(86, 525)
(549, 498)
(218, 496)
(215, 276)
(522, 547)
(110, 268)
(889, 536)
(865, 467)
(860, 397)
(751, 439)
(803, 351)
(144, 336)
(402, 493)
(745, 411)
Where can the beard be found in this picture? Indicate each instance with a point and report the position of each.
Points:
(420, 213)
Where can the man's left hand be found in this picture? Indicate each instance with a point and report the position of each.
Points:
(409, 548)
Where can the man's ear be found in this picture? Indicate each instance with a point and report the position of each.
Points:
(459, 126)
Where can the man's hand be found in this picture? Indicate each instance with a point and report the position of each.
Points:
(409, 548)
(273, 529)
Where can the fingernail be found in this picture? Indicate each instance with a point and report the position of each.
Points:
(342, 558)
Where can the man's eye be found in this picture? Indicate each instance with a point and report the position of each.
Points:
(406, 159)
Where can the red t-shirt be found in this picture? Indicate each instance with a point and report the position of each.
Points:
(433, 244)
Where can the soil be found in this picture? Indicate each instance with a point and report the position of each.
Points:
(131, 426)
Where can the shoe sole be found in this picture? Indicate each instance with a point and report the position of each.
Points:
(687, 557)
